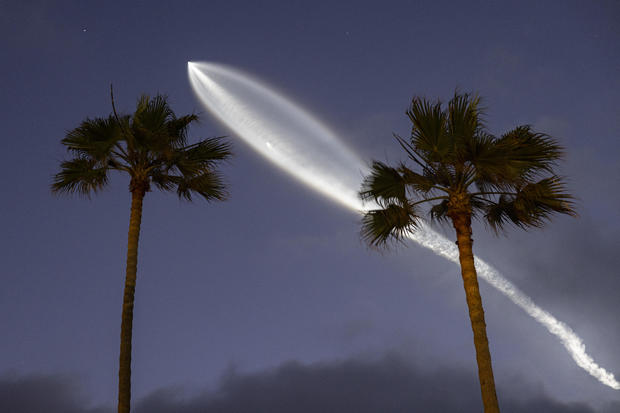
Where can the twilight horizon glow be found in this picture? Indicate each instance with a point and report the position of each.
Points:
(295, 141)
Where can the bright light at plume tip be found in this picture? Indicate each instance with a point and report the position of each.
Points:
(298, 143)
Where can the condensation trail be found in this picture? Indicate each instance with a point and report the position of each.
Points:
(301, 145)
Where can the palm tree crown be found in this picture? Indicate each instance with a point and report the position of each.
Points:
(464, 170)
(150, 145)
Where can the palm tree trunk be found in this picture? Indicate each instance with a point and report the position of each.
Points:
(462, 225)
(124, 371)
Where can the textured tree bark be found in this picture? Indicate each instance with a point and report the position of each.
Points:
(124, 371)
(462, 225)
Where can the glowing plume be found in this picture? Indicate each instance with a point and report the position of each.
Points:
(301, 145)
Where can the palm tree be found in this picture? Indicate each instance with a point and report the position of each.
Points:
(465, 173)
(151, 146)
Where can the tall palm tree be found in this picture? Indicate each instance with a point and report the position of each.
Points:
(465, 172)
(151, 146)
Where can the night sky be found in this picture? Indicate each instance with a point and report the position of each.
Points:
(270, 302)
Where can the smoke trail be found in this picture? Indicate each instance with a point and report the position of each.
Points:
(301, 145)
(571, 341)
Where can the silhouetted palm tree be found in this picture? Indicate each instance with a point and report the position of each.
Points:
(465, 172)
(151, 146)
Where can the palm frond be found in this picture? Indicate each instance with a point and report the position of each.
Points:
(492, 166)
(464, 118)
(418, 183)
(178, 128)
(392, 222)
(531, 205)
(196, 170)
(439, 212)
(201, 156)
(529, 152)
(429, 131)
(94, 138)
(518, 157)
(150, 124)
(478, 206)
(383, 185)
(81, 176)
(153, 113)
(209, 151)
(209, 185)
(163, 180)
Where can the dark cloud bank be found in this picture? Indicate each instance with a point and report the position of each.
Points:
(387, 385)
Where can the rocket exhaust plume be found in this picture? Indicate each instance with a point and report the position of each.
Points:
(291, 138)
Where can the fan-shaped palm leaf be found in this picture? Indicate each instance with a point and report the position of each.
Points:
(81, 176)
(392, 222)
(531, 205)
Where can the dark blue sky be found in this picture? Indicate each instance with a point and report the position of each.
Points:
(278, 273)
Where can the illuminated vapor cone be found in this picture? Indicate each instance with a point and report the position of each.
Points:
(281, 131)
(291, 138)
